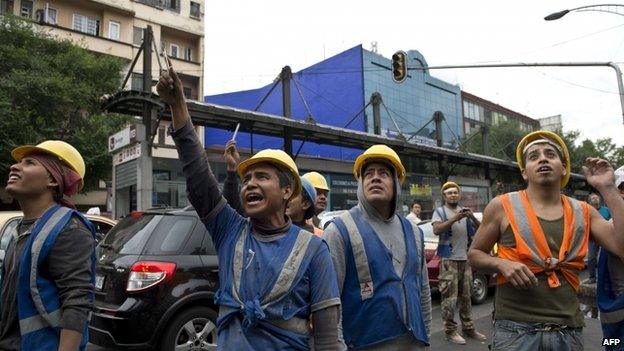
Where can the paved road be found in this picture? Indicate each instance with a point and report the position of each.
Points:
(483, 322)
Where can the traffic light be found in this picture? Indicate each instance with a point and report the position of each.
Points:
(399, 66)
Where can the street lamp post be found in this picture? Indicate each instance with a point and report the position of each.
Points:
(615, 67)
(609, 8)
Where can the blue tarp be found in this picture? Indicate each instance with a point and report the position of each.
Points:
(334, 91)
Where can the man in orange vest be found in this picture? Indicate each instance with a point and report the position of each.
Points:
(542, 239)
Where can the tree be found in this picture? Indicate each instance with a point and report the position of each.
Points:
(51, 89)
(502, 139)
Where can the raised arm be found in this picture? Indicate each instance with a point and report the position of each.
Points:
(202, 187)
(609, 235)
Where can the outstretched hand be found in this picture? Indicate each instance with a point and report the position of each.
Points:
(598, 172)
(170, 88)
(231, 155)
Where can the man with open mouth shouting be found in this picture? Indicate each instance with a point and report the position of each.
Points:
(273, 275)
(542, 240)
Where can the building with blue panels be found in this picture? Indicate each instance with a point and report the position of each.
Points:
(335, 92)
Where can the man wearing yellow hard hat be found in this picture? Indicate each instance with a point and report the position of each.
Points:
(456, 226)
(322, 189)
(273, 275)
(379, 261)
(542, 238)
(48, 268)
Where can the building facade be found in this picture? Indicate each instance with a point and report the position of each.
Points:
(552, 123)
(337, 92)
(480, 112)
(116, 27)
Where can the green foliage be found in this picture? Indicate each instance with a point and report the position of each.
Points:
(51, 89)
(580, 150)
(502, 139)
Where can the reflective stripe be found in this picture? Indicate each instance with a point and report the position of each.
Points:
(612, 317)
(523, 227)
(37, 322)
(289, 271)
(359, 255)
(579, 228)
(35, 252)
(531, 240)
(295, 324)
(238, 262)
(287, 275)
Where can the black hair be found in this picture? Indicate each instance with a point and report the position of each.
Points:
(415, 202)
(285, 177)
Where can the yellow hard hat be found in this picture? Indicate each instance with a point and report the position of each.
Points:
(275, 157)
(553, 137)
(317, 180)
(380, 152)
(64, 151)
(449, 185)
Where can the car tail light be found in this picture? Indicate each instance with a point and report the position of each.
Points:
(136, 214)
(147, 274)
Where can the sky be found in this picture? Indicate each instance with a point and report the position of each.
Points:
(247, 43)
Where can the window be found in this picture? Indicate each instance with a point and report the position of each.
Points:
(187, 92)
(195, 9)
(6, 6)
(163, 46)
(172, 5)
(187, 54)
(86, 24)
(113, 30)
(137, 35)
(137, 81)
(50, 15)
(26, 9)
(174, 50)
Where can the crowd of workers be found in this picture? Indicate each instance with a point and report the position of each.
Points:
(359, 283)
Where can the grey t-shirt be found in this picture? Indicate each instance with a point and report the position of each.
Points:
(459, 239)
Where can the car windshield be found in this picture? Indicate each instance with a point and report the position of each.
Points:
(131, 233)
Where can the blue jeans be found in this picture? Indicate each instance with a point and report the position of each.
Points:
(509, 335)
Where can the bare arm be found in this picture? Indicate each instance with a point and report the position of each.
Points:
(441, 227)
(70, 340)
(609, 235)
(518, 274)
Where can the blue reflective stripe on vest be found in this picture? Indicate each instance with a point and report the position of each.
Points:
(611, 306)
(38, 300)
(256, 312)
(394, 308)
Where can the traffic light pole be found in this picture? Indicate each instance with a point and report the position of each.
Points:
(615, 67)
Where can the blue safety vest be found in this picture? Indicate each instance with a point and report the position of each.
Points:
(377, 304)
(38, 301)
(611, 306)
(265, 320)
(445, 249)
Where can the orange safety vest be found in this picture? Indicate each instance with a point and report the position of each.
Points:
(531, 245)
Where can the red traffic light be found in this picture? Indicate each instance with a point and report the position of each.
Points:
(399, 66)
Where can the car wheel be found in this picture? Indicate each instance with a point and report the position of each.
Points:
(479, 289)
(193, 329)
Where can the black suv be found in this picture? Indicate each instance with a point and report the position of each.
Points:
(156, 277)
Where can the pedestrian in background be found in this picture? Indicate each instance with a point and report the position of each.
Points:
(542, 241)
(415, 210)
(592, 252)
(379, 261)
(455, 225)
(273, 275)
(322, 190)
(49, 267)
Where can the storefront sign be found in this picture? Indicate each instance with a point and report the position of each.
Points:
(123, 138)
(420, 190)
(129, 153)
